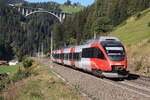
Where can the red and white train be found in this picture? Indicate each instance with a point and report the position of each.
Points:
(104, 57)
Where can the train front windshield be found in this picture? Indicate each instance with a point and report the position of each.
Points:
(115, 53)
(114, 50)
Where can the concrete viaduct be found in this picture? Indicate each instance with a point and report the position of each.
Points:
(27, 11)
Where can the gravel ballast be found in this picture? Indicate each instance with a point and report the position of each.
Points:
(94, 87)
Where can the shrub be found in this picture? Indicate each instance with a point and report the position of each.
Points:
(2, 98)
(149, 24)
(137, 64)
(48, 55)
(21, 74)
(4, 82)
(138, 15)
(27, 63)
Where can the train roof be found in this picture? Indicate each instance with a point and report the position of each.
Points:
(103, 38)
(108, 38)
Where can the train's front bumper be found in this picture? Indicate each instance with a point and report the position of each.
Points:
(123, 74)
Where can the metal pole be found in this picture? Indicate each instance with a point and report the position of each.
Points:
(42, 54)
(51, 44)
(94, 35)
(52, 40)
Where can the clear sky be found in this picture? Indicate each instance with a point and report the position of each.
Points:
(83, 2)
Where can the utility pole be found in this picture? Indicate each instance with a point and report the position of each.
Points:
(52, 40)
(51, 44)
(42, 51)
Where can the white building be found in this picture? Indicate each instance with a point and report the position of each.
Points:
(13, 62)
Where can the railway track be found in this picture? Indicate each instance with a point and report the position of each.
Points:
(134, 87)
(145, 78)
(139, 86)
(135, 83)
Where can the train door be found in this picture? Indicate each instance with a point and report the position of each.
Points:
(78, 56)
(85, 59)
(98, 61)
(66, 55)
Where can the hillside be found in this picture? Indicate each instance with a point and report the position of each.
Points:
(135, 33)
(71, 9)
(36, 82)
(101, 18)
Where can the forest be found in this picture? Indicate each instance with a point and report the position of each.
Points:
(23, 36)
(101, 18)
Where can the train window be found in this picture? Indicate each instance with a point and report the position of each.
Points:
(61, 56)
(93, 52)
(57, 56)
(98, 53)
(65, 56)
(80, 54)
(87, 53)
(70, 56)
(53, 55)
(76, 56)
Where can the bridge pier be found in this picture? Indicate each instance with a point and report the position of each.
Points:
(64, 16)
(23, 11)
(19, 9)
(27, 12)
(60, 16)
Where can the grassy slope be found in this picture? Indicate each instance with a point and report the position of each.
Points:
(133, 33)
(43, 86)
(6, 69)
(71, 9)
(135, 30)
